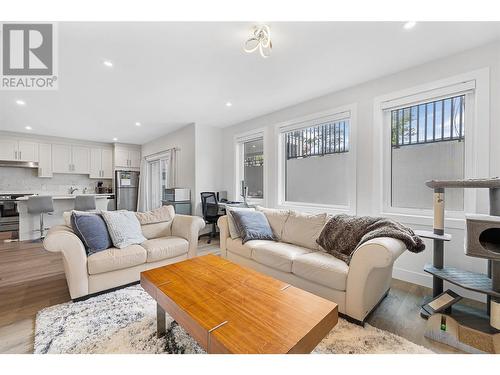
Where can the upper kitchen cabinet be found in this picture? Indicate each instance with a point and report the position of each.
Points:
(70, 159)
(127, 157)
(101, 163)
(18, 150)
(45, 160)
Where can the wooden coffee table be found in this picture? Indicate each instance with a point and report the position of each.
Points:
(228, 308)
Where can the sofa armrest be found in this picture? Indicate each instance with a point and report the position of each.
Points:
(224, 234)
(61, 239)
(188, 227)
(370, 274)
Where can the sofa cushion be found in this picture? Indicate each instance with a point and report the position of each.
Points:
(236, 246)
(92, 231)
(278, 255)
(158, 215)
(303, 229)
(124, 228)
(114, 259)
(276, 218)
(253, 225)
(321, 268)
(234, 231)
(165, 248)
(157, 230)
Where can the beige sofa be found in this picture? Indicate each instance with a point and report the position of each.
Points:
(167, 242)
(297, 259)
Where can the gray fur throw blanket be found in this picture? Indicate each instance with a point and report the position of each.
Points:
(343, 234)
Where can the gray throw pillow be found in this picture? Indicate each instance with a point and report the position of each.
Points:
(124, 228)
(234, 231)
(92, 231)
(253, 225)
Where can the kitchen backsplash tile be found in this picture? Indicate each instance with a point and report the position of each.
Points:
(27, 180)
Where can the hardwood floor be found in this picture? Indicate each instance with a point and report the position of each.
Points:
(32, 279)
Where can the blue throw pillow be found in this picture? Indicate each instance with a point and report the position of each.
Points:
(253, 225)
(92, 230)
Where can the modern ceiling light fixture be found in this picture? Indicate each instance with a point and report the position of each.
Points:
(259, 40)
(20, 102)
(409, 25)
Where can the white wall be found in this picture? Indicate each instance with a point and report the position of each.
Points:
(183, 139)
(209, 146)
(409, 266)
(199, 160)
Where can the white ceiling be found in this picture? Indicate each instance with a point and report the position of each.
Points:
(166, 75)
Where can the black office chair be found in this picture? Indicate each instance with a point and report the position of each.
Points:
(210, 210)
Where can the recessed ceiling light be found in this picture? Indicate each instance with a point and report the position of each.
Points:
(28, 127)
(138, 124)
(108, 63)
(409, 25)
(20, 102)
(115, 139)
(229, 104)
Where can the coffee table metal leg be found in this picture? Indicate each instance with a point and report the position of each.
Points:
(160, 321)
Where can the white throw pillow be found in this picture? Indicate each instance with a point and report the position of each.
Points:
(277, 219)
(124, 228)
(303, 229)
(234, 232)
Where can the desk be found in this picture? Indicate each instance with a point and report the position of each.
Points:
(223, 205)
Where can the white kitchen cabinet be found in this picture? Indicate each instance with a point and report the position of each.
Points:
(45, 160)
(135, 159)
(61, 159)
(17, 150)
(121, 158)
(80, 158)
(27, 151)
(107, 163)
(127, 158)
(101, 163)
(8, 149)
(70, 159)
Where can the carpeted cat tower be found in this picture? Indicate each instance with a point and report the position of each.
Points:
(458, 325)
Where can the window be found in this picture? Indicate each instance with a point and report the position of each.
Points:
(427, 142)
(250, 171)
(317, 166)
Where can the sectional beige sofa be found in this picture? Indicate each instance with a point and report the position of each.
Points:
(297, 259)
(167, 242)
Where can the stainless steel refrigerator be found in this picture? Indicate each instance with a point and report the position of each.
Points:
(126, 190)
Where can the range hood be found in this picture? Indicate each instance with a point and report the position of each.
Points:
(18, 164)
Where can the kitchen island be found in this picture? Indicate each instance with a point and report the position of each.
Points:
(29, 224)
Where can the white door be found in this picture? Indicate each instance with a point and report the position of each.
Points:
(8, 149)
(135, 159)
(80, 157)
(61, 159)
(95, 163)
(121, 158)
(45, 160)
(27, 151)
(107, 164)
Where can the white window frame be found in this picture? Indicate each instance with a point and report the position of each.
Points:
(239, 141)
(475, 86)
(339, 113)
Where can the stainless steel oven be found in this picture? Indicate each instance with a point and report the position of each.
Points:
(9, 217)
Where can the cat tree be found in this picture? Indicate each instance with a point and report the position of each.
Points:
(461, 326)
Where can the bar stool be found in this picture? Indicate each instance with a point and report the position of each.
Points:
(85, 202)
(39, 205)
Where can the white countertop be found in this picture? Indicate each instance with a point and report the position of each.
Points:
(69, 196)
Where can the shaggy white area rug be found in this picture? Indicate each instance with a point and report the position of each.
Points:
(124, 321)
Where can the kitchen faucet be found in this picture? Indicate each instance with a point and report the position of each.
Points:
(72, 189)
